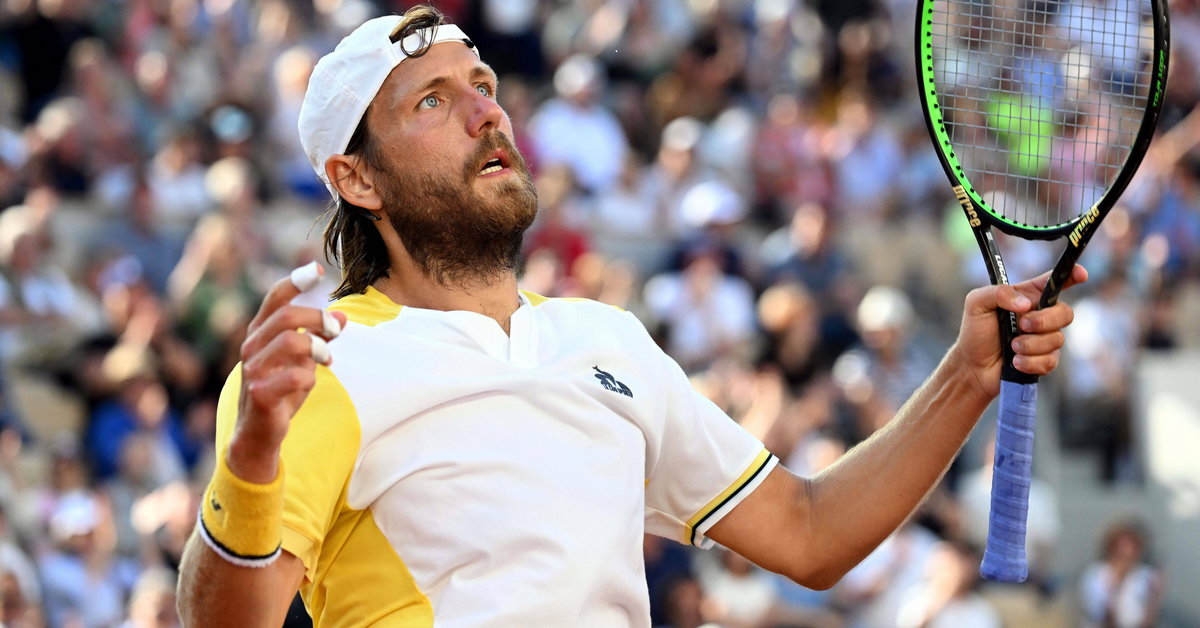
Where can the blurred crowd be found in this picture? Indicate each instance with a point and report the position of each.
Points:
(753, 178)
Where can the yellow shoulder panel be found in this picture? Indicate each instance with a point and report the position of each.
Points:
(369, 308)
(534, 298)
(368, 584)
(537, 299)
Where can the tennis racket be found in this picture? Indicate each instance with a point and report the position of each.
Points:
(1040, 112)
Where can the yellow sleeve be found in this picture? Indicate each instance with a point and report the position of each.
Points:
(318, 457)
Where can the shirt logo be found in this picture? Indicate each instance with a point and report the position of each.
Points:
(610, 383)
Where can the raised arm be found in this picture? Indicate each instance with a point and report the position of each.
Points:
(814, 530)
(234, 571)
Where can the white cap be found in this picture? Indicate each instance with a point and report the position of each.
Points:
(884, 307)
(345, 81)
(74, 514)
(712, 203)
(577, 73)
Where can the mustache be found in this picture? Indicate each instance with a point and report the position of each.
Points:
(494, 140)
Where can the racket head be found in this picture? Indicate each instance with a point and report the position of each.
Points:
(1041, 113)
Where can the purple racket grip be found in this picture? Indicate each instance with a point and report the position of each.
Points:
(1004, 558)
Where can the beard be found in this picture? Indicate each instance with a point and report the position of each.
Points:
(453, 234)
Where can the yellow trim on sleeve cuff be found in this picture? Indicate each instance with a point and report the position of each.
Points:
(752, 470)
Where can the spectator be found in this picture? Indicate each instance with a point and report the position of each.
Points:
(141, 234)
(1121, 589)
(13, 156)
(212, 290)
(510, 28)
(684, 604)
(61, 155)
(78, 579)
(675, 171)
(707, 314)
(876, 590)
(136, 477)
(576, 130)
(698, 84)
(947, 598)
(804, 251)
(789, 316)
(140, 408)
(1101, 357)
(152, 603)
(20, 590)
(626, 220)
(711, 213)
(866, 155)
(741, 594)
(290, 79)
(895, 361)
(790, 165)
(68, 478)
(176, 180)
(666, 563)
(556, 230)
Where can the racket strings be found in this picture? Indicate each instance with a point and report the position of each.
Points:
(1042, 100)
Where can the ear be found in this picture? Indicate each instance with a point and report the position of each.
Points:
(354, 180)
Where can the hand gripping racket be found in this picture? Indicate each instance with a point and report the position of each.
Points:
(1040, 111)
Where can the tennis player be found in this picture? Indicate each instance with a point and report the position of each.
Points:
(439, 448)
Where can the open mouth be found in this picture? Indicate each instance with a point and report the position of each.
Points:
(495, 165)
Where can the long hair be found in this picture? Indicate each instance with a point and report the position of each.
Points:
(350, 238)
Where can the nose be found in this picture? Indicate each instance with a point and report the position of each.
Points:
(484, 114)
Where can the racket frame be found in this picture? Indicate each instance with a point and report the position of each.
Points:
(982, 217)
(1007, 561)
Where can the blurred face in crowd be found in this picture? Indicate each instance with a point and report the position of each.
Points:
(12, 601)
(952, 570)
(443, 163)
(1125, 548)
(153, 609)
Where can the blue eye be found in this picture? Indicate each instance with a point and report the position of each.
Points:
(429, 102)
(484, 89)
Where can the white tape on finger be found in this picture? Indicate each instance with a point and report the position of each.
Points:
(320, 350)
(331, 326)
(306, 277)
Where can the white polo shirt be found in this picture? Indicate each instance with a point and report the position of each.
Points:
(445, 473)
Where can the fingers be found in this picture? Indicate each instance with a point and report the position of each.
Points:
(281, 383)
(1034, 287)
(305, 278)
(283, 291)
(988, 298)
(1038, 348)
(1038, 344)
(291, 348)
(1036, 364)
(323, 324)
(1011, 299)
(279, 358)
(1019, 299)
(1050, 319)
(283, 369)
(318, 350)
